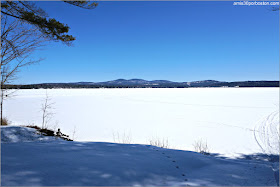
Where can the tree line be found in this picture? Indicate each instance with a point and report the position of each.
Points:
(165, 85)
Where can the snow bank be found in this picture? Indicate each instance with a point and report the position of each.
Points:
(64, 163)
(12, 134)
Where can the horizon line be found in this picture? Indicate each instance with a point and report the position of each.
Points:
(138, 79)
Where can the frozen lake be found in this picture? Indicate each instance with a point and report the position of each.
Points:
(224, 117)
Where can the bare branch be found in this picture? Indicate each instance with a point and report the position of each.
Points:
(18, 41)
(46, 109)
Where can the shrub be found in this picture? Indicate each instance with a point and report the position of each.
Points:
(163, 143)
(124, 138)
(201, 147)
(48, 132)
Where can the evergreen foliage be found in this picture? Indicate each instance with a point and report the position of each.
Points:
(52, 29)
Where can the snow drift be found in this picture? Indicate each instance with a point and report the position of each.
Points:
(13, 134)
(28, 159)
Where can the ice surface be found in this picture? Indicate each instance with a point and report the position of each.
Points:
(225, 117)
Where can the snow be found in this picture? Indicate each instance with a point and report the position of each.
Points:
(267, 133)
(63, 163)
(13, 134)
(224, 117)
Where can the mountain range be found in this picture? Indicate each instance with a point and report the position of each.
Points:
(141, 83)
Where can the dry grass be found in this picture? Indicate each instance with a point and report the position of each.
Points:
(5, 122)
(124, 138)
(201, 147)
(159, 142)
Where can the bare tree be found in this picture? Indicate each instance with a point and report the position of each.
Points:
(74, 133)
(24, 27)
(18, 41)
(4, 93)
(47, 113)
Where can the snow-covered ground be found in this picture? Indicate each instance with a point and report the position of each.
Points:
(229, 119)
(30, 159)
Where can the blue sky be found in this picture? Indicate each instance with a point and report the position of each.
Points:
(177, 41)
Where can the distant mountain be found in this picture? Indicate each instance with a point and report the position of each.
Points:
(204, 83)
(124, 82)
(135, 82)
(141, 83)
(81, 83)
(127, 82)
(138, 82)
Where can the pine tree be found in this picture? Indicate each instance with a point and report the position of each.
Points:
(51, 28)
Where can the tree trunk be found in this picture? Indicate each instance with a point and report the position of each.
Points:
(1, 88)
(1, 104)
